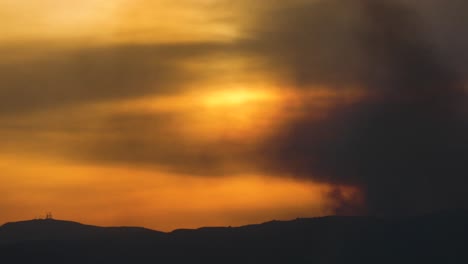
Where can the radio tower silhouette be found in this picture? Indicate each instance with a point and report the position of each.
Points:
(49, 216)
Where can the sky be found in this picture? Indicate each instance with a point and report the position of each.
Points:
(187, 113)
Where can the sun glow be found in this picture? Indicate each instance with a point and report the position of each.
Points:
(238, 97)
(210, 114)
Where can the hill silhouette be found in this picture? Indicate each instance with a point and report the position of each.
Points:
(436, 238)
(58, 230)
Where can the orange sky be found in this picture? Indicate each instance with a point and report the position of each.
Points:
(152, 198)
(137, 113)
(41, 171)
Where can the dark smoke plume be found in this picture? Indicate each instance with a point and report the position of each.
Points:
(406, 144)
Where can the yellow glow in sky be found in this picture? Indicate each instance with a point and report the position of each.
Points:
(238, 97)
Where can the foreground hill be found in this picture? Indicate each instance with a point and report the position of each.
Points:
(438, 238)
(57, 230)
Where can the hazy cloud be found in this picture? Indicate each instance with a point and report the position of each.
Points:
(405, 144)
(96, 74)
